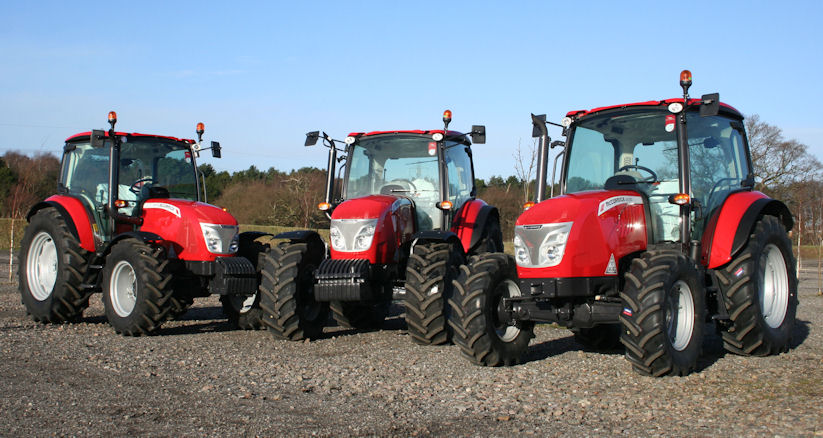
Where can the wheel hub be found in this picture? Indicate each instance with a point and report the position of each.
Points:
(41, 266)
(123, 288)
(680, 315)
(773, 293)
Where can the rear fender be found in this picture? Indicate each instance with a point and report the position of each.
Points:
(75, 215)
(470, 222)
(729, 228)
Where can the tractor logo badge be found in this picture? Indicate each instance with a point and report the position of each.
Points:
(163, 206)
(670, 119)
(627, 311)
(614, 201)
(611, 268)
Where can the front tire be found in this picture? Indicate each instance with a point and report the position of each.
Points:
(286, 292)
(51, 270)
(663, 315)
(244, 312)
(759, 290)
(137, 288)
(478, 330)
(429, 274)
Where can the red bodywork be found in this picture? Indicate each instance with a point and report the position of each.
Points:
(725, 225)
(177, 222)
(602, 226)
(465, 222)
(395, 225)
(581, 113)
(85, 135)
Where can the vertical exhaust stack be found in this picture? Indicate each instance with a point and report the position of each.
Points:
(539, 130)
(331, 172)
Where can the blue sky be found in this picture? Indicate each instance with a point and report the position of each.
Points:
(262, 74)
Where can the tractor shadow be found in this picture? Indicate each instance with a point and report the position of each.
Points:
(556, 347)
(395, 321)
(212, 318)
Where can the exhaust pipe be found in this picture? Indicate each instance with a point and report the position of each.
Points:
(539, 129)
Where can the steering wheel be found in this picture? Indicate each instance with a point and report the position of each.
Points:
(411, 186)
(643, 168)
(137, 186)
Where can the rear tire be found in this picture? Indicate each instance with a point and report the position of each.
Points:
(286, 292)
(137, 288)
(244, 312)
(759, 290)
(429, 274)
(478, 331)
(663, 315)
(51, 270)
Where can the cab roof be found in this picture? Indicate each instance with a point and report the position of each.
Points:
(87, 134)
(450, 134)
(582, 113)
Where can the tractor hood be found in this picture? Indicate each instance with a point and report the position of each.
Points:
(372, 227)
(580, 235)
(195, 231)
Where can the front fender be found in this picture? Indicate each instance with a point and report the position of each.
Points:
(728, 230)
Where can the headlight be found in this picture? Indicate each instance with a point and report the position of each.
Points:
(521, 252)
(540, 245)
(553, 246)
(336, 237)
(352, 234)
(220, 239)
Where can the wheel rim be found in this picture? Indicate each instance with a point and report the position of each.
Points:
(242, 304)
(680, 315)
(123, 288)
(506, 331)
(774, 289)
(41, 266)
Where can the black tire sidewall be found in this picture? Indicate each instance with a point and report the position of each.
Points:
(41, 309)
(515, 347)
(125, 251)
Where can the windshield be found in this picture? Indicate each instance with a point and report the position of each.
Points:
(638, 148)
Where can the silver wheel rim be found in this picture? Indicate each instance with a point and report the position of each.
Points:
(123, 288)
(774, 289)
(41, 266)
(242, 304)
(680, 315)
(508, 333)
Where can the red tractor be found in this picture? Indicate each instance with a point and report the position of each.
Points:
(657, 230)
(128, 222)
(405, 215)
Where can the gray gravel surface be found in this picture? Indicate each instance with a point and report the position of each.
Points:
(200, 378)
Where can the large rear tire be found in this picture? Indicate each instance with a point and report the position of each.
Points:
(482, 336)
(286, 292)
(51, 270)
(137, 288)
(663, 315)
(759, 290)
(429, 274)
(244, 312)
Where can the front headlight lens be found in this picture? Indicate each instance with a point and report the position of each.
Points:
(364, 237)
(220, 239)
(521, 252)
(336, 237)
(554, 244)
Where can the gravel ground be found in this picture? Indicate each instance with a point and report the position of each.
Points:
(200, 378)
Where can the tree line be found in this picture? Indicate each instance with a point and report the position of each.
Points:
(784, 169)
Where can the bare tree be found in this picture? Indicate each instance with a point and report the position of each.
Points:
(524, 165)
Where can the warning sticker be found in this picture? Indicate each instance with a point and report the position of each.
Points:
(163, 206)
(611, 268)
(614, 201)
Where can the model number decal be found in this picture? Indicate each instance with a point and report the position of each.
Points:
(614, 201)
(163, 206)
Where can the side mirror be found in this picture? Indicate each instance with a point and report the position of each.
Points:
(710, 104)
(539, 125)
(97, 138)
(311, 138)
(216, 149)
(478, 134)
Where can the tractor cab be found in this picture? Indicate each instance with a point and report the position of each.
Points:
(635, 148)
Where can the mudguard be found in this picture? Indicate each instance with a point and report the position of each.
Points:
(470, 222)
(312, 238)
(144, 236)
(74, 213)
(436, 236)
(729, 228)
